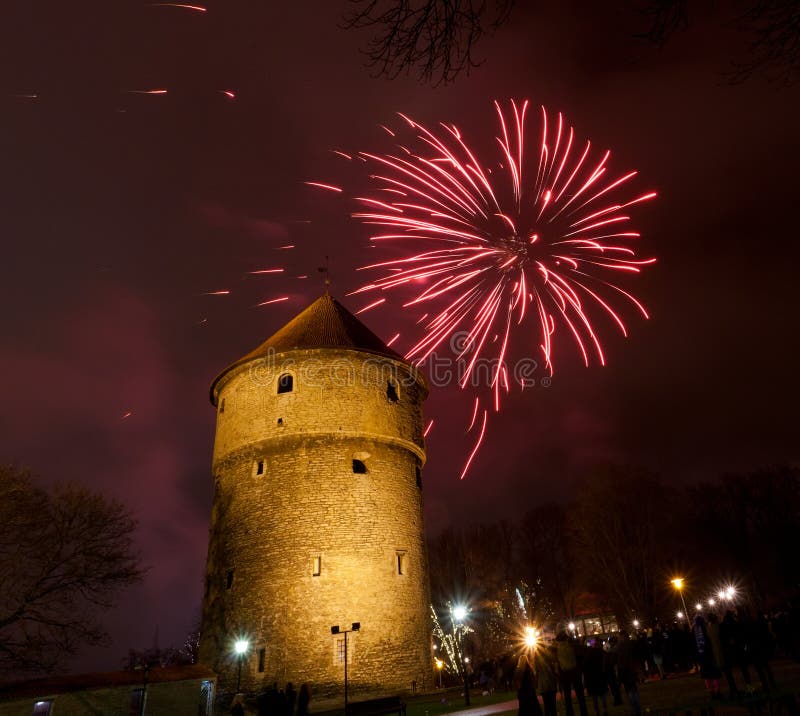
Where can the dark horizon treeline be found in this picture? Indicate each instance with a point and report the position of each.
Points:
(618, 544)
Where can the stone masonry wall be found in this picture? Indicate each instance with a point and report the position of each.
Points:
(287, 503)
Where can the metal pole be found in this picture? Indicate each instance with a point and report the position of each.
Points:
(685, 611)
(464, 667)
(345, 673)
(239, 677)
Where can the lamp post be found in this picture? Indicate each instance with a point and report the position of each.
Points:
(241, 646)
(336, 630)
(678, 584)
(439, 667)
(459, 614)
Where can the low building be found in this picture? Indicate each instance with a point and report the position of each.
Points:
(168, 690)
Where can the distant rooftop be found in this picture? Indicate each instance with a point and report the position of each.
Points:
(326, 323)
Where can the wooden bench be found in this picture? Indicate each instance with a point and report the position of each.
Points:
(375, 707)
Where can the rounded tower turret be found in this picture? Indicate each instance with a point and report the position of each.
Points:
(317, 515)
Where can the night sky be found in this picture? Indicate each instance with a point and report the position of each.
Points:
(119, 210)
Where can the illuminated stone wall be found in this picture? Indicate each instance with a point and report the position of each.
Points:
(288, 503)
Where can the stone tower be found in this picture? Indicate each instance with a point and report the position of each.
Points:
(317, 514)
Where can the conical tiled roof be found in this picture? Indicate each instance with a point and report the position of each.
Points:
(326, 323)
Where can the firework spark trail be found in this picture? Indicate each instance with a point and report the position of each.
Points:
(550, 232)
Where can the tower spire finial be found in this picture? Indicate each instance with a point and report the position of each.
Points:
(326, 270)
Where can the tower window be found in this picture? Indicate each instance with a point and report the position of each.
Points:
(260, 467)
(419, 476)
(262, 659)
(391, 391)
(359, 467)
(229, 579)
(280, 421)
(401, 562)
(285, 383)
(222, 406)
(339, 650)
(317, 569)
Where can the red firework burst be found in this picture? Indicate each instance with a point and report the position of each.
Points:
(489, 252)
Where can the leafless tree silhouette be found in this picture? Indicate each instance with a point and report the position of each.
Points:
(435, 37)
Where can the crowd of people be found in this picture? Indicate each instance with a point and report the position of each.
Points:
(737, 644)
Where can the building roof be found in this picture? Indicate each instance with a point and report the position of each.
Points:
(326, 323)
(102, 680)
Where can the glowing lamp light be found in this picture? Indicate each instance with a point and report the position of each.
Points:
(460, 612)
(730, 593)
(677, 583)
(721, 594)
(571, 626)
(439, 664)
(636, 623)
(711, 602)
(466, 660)
(679, 615)
(698, 606)
(530, 637)
(241, 646)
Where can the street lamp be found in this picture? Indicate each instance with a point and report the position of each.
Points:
(530, 637)
(440, 666)
(336, 630)
(240, 647)
(459, 614)
(698, 607)
(635, 623)
(677, 582)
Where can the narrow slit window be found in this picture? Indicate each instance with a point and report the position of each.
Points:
(280, 422)
(260, 467)
(285, 383)
(317, 570)
(262, 660)
(229, 579)
(222, 406)
(401, 562)
(419, 476)
(359, 467)
(391, 391)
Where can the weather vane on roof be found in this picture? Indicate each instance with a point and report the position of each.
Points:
(326, 270)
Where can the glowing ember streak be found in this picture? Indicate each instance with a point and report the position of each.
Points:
(230, 94)
(127, 415)
(319, 185)
(182, 6)
(393, 339)
(272, 300)
(150, 91)
(305, 275)
(371, 305)
(476, 448)
(287, 246)
(216, 293)
(261, 271)
(427, 429)
(550, 230)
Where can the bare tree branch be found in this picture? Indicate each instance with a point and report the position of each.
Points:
(63, 556)
(435, 37)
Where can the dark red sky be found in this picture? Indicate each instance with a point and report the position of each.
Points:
(117, 211)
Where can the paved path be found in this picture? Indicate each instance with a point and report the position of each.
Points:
(485, 710)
